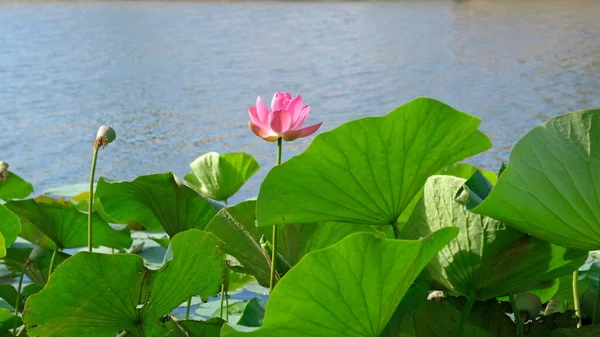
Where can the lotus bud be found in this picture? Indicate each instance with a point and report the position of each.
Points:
(105, 135)
(529, 303)
(3, 171)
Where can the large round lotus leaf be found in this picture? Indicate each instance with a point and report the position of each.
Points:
(14, 187)
(10, 227)
(551, 186)
(56, 224)
(100, 295)
(220, 176)
(349, 289)
(236, 226)
(488, 258)
(369, 170)
(157, 201)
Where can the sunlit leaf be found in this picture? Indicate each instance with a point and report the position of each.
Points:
(14, 187)
(369, 170)
(488, 258)
(10, 227)
(235, 225)
(94, 294)
(550, 186)
(219, 176)
(55, 224)
(157, 201)
(363, 277)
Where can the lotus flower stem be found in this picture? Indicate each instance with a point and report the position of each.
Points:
(18, 301)
(124, 333)
(595, 312)
(51, 263)
(464, 316)
(227, 306)
(576, 297)
(188, 307)
(274, 250)
(517, 313)
(91, 200)
(222, 293)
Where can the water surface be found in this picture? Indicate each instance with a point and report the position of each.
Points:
(175, 79)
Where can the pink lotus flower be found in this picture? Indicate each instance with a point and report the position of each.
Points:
(284, 119)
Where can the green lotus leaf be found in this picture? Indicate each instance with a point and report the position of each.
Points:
(235, 225)
(488, 259)
(369, 170)
(209, 328)
(100, 295)
(362, 278)
(8, 293)
(2, 246)
(414, 298)
(157, 201)
(56, 224)
(7, 320)
(219, 176)
(439, 318)
(550, 187)
(254, 313)
(14, 187)
(39, 262)
(237, 280)
(586, 331)
(10, 227)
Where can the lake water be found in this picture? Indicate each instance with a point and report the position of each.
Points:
(175, 79)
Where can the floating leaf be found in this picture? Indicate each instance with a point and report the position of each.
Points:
(55, 224)
(219, 176)
(70, 191)
(14, 187)
(550, 186)
(363, 277)
(83, 299)
(487, 259)
(369, 170)
(157, 201)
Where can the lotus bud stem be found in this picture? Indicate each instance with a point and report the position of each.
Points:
(105, 135)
